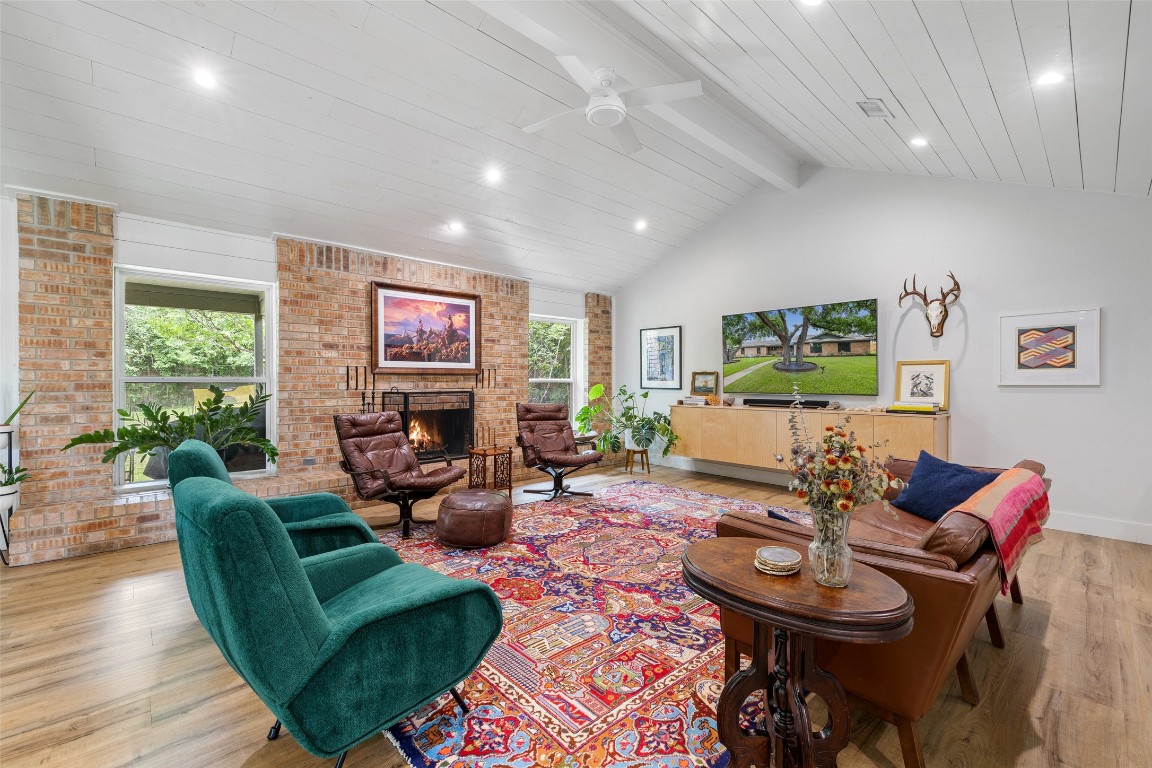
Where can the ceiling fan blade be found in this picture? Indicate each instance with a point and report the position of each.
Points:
(578, 72)
(658, 94)
(549, 120)
(626, 135)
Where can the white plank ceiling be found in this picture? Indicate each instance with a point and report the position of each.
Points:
(373, 124)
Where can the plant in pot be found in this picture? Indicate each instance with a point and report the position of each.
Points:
(628, 423)
(11, 476)
(154, 430)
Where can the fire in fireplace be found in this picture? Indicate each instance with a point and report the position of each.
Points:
(439, 421)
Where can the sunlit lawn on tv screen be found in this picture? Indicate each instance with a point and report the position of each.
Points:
(848, 375)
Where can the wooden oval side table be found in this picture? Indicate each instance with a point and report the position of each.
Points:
(790, 613)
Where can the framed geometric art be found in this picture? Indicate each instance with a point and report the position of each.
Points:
(660, 358)
(424, 331)
(1050, 349)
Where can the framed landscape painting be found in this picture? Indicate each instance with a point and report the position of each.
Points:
(660, 358)
(424, 331)
(1051, 349)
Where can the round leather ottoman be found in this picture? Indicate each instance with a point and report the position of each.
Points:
(474, 518)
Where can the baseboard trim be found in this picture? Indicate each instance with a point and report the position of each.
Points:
(1105, 527)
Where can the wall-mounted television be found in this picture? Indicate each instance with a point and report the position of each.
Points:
(826, 349)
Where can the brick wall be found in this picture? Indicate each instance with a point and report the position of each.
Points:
(326, 324)
(69, 507)
(598, 342)
(65, 349)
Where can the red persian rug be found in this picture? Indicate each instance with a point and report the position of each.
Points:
(606, 659)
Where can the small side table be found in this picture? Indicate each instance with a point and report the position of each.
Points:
(789, 613)
(630, 456)
(501, 468)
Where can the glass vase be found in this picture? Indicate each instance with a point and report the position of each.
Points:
(828, 554)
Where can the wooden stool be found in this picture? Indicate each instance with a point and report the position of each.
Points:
(630, 459)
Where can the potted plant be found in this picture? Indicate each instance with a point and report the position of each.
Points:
(151, 428)
(629, 424)
(11, 477)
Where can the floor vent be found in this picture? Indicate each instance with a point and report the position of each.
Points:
(875, 108)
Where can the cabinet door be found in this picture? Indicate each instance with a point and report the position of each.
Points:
(906, 436)
(687, 422)
(755, 438)
(813, 423)
(721, 428)
(861, 424)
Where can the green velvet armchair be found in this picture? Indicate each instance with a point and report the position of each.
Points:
(316, 522)
(339, 645)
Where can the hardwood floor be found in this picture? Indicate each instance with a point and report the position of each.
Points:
(103, 663)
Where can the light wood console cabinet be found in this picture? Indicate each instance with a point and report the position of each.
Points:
(753, 436)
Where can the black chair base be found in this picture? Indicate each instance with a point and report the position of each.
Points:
(558, 488)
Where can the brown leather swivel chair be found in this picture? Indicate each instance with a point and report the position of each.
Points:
(383, 465)
(545, 435)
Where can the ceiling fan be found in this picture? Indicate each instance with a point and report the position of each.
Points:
(608, 107)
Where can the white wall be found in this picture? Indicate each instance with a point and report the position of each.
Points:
(851, 235)
(146, 242)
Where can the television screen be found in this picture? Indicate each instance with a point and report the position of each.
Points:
(826, 349)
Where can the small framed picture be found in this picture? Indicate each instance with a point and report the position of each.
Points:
(922, 381)
(705, 382)
(1050, 349)
(660, 358)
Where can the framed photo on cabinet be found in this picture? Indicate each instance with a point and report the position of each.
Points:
(705, 383)
(660, 358)
(923, 382)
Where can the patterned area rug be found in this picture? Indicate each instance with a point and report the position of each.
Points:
(606, 659)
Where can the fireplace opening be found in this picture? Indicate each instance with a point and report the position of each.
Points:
(438, 422)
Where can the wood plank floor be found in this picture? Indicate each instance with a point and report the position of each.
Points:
(103, 663)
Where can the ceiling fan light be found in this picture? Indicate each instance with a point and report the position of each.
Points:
(605, 110)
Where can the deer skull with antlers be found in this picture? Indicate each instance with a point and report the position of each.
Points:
(935, 310)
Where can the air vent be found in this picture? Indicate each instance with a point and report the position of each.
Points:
(875, 108)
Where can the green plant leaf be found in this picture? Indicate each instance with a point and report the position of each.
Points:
(15, 413)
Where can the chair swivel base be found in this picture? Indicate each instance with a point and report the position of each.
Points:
(558, 488)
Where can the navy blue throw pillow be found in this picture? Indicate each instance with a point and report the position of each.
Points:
(937, 485)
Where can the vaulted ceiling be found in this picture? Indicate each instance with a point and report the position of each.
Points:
(375, 124)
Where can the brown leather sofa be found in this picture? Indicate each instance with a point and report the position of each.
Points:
(950, 570)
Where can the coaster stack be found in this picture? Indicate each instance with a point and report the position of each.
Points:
(777, 561)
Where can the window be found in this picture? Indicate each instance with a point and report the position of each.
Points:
(814, 349)
(844, 347)
(177, 337)
(553, 355)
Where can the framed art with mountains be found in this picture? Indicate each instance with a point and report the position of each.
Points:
(421, 331)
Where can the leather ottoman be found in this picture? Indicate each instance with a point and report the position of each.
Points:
(474, 518)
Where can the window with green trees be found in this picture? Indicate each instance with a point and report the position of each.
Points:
(180, 337)
(551, 361)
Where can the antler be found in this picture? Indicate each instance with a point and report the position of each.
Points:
(954, 291)
(918, 294)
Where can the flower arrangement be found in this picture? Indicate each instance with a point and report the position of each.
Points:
(835, 475)
(837, 472)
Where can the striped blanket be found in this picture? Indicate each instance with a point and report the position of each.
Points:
(1015, 506)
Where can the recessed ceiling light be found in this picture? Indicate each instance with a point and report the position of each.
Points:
(812, 2)
(456, 226)
(640, 225)
(1050, 78)
(205, 78)
(493, 174)
(918, 141)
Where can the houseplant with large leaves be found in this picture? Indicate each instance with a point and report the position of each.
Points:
(627, 419)
(150, 427)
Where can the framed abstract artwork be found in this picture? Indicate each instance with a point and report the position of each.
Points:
(1050, 349)
(922, 381)
(660, 358)
(420, 331)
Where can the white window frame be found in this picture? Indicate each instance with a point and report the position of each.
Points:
(579, 366)
(271, 300)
